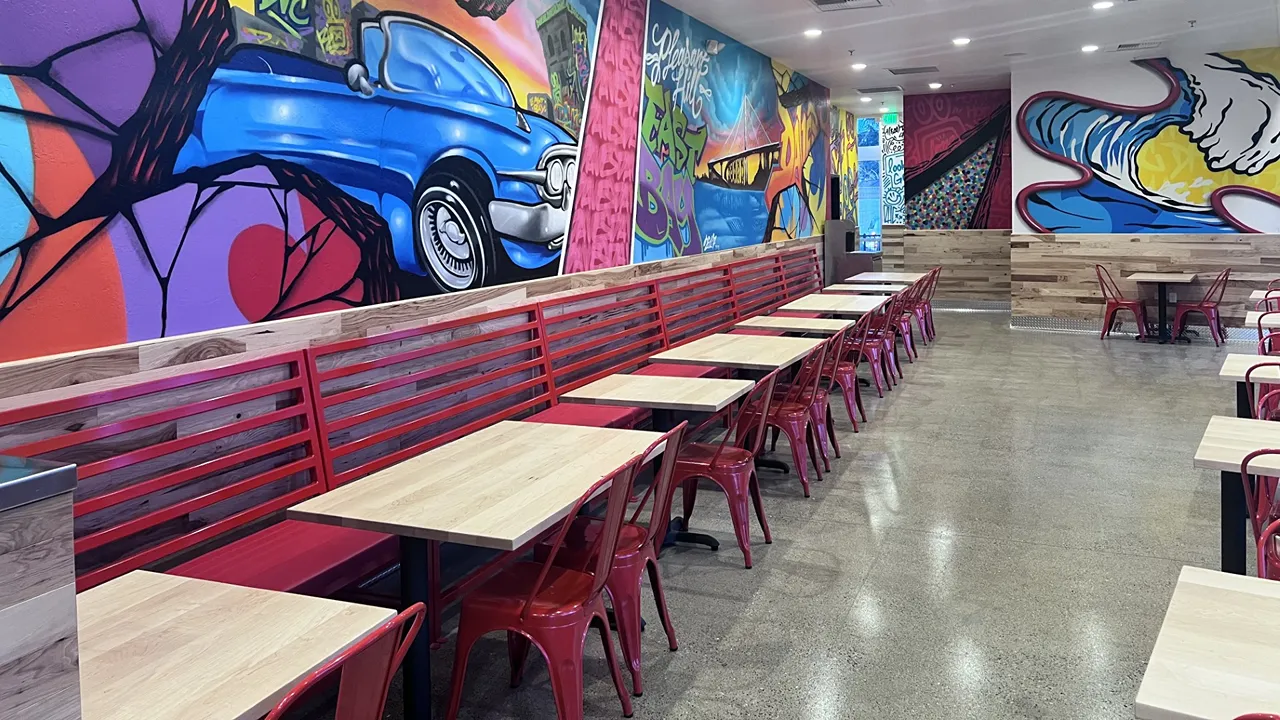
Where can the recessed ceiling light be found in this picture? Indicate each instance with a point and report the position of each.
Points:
(935, 86)
(1089, 48)
(884, 109)
(960, 41)
(1104, 5)
(859, 66)
(812, 33)
(865, 98)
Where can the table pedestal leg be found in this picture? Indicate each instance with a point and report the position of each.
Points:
(414, 588)
(664, 420)
(1163, 312)
(1243, 408)
(1234, 518)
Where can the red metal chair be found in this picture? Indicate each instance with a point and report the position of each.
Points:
(1267, 344)
(846, 369)
(1259, 716)
(819, 400)
(1263, 402)
(1116, 302)
(731, 463)
(1208, 306)
(552, 607)
(791, 415)
(863, 347)
(1260, 497)
(1270, 302)
(908, 302)
(923, 309)
(1264, 344)
(883, 335)
(637, 551)
(367, 668)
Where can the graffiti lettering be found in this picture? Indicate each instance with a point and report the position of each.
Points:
(666, 132)
(335, 36)
(683, 64)
(292, 15)
(664, 212)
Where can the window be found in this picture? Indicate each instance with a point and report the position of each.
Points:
(423, 59)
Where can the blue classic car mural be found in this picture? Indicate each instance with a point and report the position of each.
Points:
(422, 127)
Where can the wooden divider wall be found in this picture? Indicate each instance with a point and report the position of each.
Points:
(975, 263)
(1053, 275)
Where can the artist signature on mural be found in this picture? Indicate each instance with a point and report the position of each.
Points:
(682, 63)
(710, 242)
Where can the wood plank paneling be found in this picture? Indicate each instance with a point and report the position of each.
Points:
(56, 371)
(1053, 275)
(39, 670)
(975, 263)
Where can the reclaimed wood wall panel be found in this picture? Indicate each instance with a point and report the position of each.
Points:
(975, 263)
(57, 371)
(39, 662)
(1053, 275)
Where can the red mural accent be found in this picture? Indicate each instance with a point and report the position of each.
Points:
(600, 235)
(934, 125)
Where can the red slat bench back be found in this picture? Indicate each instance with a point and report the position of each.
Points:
(603, 332)
(174, 462)
(758, 284)
(696, 303)
(801, 272)
(385, 398)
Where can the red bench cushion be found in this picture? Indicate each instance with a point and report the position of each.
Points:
(590, 415)
(681, 370)
(296, 556)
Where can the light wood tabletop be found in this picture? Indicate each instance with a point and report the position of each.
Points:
(1270, 322)
(163, 647)
(836, 304)
(498, 488)
(1217, 650)
(741, 352)
(870, 288)
(1237, 364)
(661, 392)
(1227, 440)
(1257, 295)
(821, 326)
(886, 277)
(1158, 277)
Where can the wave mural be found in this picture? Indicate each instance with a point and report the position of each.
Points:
(1202, 160)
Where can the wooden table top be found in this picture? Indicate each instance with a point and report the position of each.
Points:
(741, 352)
(661, 393)
(498, 488)
(163, 647)
(1157, 277)
(886, 277)
(1217, 650)
(822, 326)
(836, 304)
(1237, 364)
(870, 288)
(1268, 323)
(1257, 295)
(1227, 440)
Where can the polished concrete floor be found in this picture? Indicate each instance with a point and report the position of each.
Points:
(1000, 541)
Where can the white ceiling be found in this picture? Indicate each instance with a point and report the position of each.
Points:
(908, 33)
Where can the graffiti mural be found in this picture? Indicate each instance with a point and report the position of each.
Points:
(249, 160)
(844, 158)
(1201, 160)
(893, 195)
(958, 173)
(732, 149)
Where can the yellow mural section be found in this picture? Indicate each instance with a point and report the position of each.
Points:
(1171, 164)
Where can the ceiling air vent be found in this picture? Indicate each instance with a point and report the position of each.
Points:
(922, 70)
(880, 90)
(1134, 46)
(833, 5)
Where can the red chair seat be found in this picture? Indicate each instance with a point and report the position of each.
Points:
(680, 370)
(590, 415)
(702, 453)
(296, 556)
(565, 591)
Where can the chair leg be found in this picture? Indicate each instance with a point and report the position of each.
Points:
(831, 430)
(562, 648)
(740, 514)
(602, 622)
(874, 362)
(468, 633)
(759, 503)
(624, 593)
(857, 398)
(817, 421)
(798, 455)
(660, 597)
(1107, 316)
(811, 437)
(517, 653)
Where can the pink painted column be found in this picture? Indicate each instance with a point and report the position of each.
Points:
(601, 232)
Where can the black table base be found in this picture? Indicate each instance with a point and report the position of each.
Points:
(415, 581)
(1234, 514)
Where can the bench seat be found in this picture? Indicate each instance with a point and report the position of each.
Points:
(609, 416)
(296, 556)
(681, 370)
